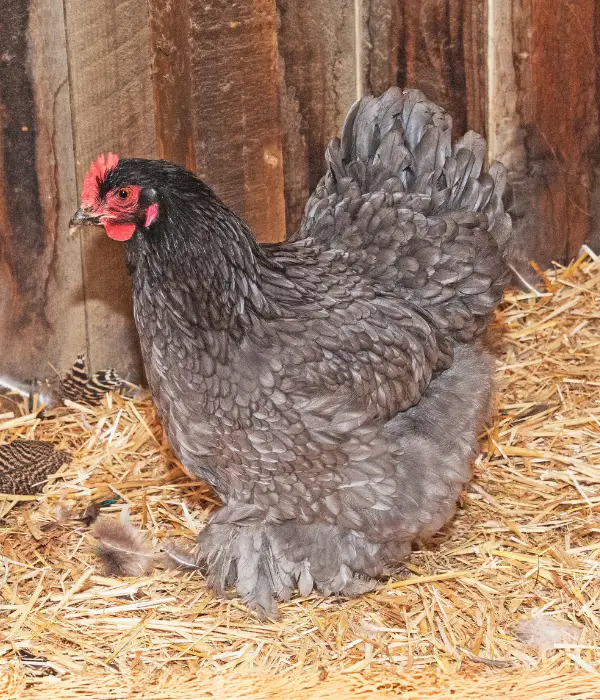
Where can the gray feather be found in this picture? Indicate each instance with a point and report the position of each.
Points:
(122, 548)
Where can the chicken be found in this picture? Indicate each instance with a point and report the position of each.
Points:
(330, 388)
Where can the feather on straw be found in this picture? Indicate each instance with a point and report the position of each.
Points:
(122, 548)
(546, 633)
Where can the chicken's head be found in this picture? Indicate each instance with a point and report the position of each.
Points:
(109, 200)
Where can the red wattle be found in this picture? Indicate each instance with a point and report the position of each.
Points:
(119, 232)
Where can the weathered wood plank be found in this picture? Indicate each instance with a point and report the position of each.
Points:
(550, 129)
(237, 134)
(594, 238)
(506, 136)
(382, 33)
(438, 46)
(319, 83)
(113, 109)
(169, 31)
(41, 311)
(562, 107)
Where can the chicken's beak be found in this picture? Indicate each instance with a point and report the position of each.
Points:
(83, 217)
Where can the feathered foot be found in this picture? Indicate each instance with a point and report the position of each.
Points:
(266, 562)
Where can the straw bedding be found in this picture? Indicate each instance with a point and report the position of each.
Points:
(523, 546)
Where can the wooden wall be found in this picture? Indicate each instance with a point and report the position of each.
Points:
(248, 93)
(544, 98)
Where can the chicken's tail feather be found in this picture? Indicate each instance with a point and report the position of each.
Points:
(402, 142)
(396, 181)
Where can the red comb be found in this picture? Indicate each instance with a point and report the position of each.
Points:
(95, 175)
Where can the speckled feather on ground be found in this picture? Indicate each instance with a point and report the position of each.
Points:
(525, 542)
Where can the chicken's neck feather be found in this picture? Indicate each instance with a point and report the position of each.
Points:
(200, 265)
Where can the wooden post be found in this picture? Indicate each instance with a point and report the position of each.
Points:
(318, 60)
(545, 119)
(438, 46)
(113, 109)
(169, 32)
(235, 111)
(41, 306)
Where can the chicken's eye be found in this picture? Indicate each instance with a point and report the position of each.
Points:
(123, 193)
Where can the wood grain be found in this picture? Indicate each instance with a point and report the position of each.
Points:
(438, 46)
(169, 31)
(319, 83)
(234, 87)
(508, 27)
(505, 137)
(594, 237)
(562, 108)
(41, 313)
(553, 124)
(113, 109)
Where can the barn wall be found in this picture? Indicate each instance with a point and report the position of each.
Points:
(318, 70)
(248, 94)
(42, 315)
(544, 120)
(438, 46)
(110, 83)
(217, 103)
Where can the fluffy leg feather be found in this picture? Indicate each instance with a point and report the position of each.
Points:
(266, 562)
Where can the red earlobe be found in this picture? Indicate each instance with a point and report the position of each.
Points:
(151, 214)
